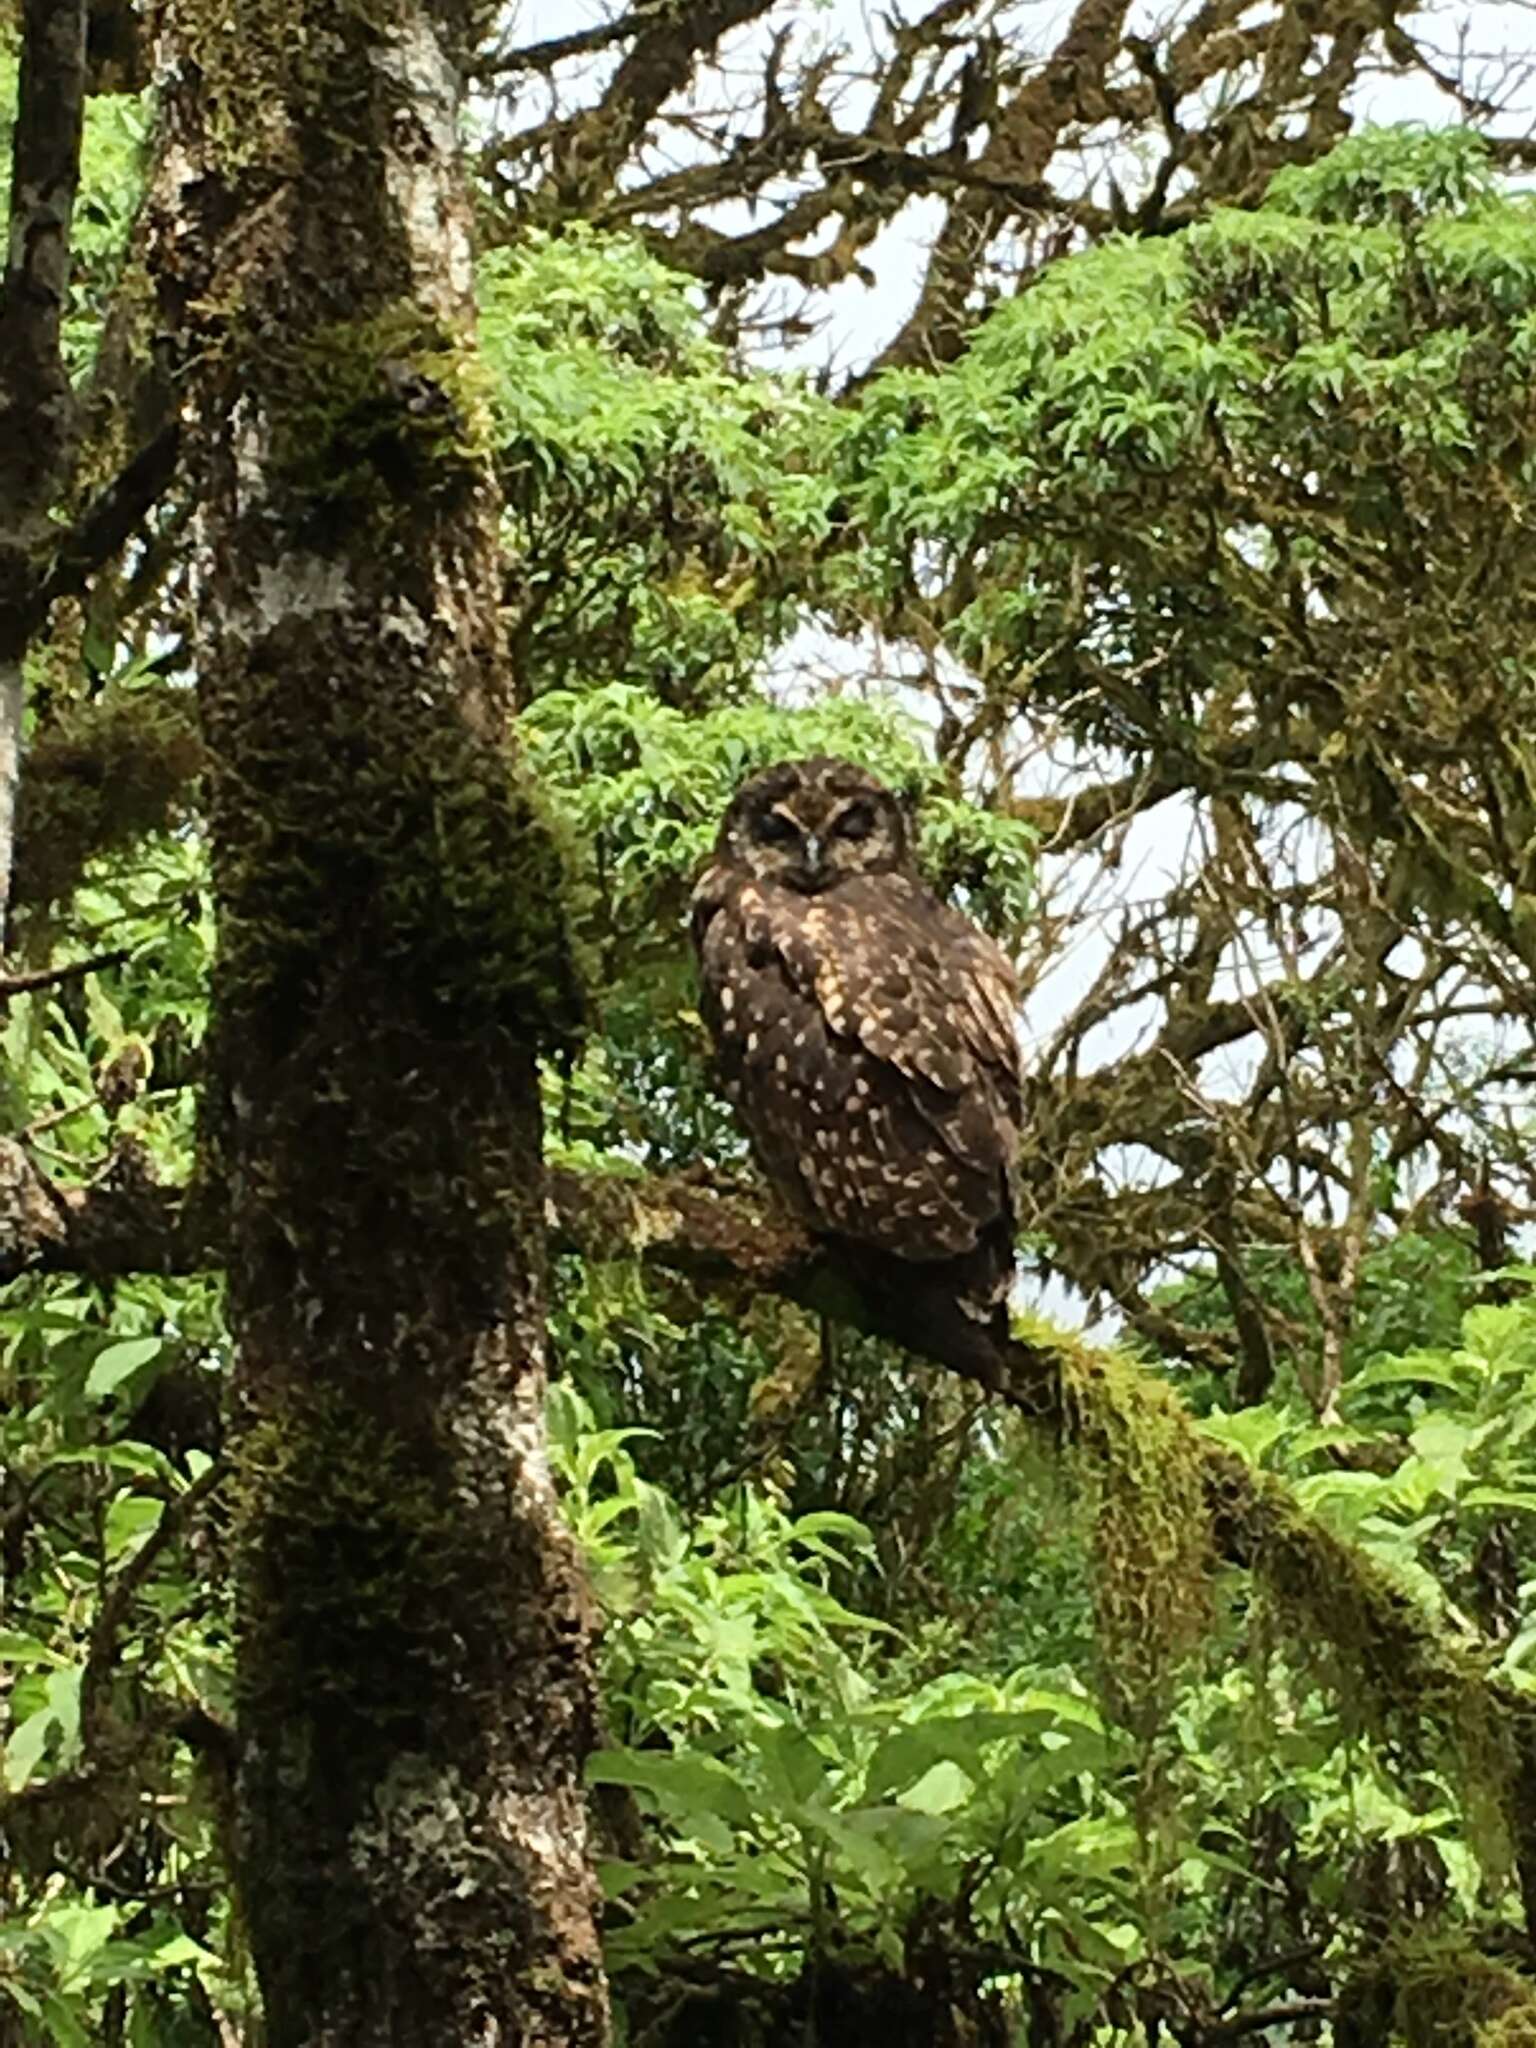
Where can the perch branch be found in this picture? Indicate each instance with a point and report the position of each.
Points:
(730, 1242)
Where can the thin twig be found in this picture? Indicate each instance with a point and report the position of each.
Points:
(34, 979)
(125, 1583)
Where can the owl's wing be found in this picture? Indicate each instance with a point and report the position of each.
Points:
(867, 1039)
(913, 980)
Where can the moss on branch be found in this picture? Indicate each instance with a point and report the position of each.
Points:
(100, 777)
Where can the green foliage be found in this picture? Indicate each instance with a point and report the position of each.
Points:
(868, 1673)
(700, 1608)
(1430, 1470)
(59, 1959)
(756, 1728)
(1414, 1289)
(1261, 464)
(642, 787)
(115, 1640)
(116, 1631)
(1391, 174)
(811, 1798)
(663, 510)
(111, 176)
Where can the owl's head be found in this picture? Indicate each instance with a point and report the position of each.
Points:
(808, 825)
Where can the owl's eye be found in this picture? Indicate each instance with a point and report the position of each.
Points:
(857, 822)
(776, 830)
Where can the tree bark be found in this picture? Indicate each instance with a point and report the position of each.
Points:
(36, 409)
(414, 1686)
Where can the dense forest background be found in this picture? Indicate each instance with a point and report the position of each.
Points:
(380, 641)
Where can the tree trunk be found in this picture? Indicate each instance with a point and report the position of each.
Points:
(36, 413)
(414, 1685)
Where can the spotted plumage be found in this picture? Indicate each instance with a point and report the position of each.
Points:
(863, 1029)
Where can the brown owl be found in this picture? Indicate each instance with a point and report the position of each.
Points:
(865, 1033)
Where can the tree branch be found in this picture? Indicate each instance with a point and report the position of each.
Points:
(120, 1224)
(50, 977)
(111, 521)
(35, 409)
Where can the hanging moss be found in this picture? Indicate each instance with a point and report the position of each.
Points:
(1401, 1678)
(1140, 1463)
(1164, 1503)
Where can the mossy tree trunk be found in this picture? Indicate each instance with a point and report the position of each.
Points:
(414, 1693)
(36, 413)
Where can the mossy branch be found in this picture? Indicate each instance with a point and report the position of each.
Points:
(1168, 1502)
(101, 777)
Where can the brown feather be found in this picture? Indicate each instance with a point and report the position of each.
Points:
(865, 1033)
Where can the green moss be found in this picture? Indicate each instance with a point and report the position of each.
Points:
(261, 64)
(1351, 1611)
(1141, 1466)
(1163, 1503)
(99, 778)
(391, 398)
(1402, 1679)
(348, 1547)
(431, 861)
(245, 75)
(1438, 1991)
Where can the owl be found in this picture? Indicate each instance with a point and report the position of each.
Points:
(865, 1033)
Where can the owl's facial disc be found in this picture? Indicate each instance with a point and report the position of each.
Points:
(799, 853)
(810, 825)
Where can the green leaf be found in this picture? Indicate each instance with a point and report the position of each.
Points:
(177, 1951)
(129, 1520)
(795, 1766)
(62, 1692)
(1498, 1497)
(686, 1786)
(940, 1789)
(1428, 1368)
(911, 1751)
(25, 1747)
(16, 1648)
(119, 1362)
(77, 1935)
(65, 2031)
(1249, 1431)
(1441, 1443)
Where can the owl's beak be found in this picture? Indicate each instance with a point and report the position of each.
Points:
(814, 864)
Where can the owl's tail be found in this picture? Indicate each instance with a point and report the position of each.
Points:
(954, 1311)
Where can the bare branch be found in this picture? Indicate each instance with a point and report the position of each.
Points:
(51, 977)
